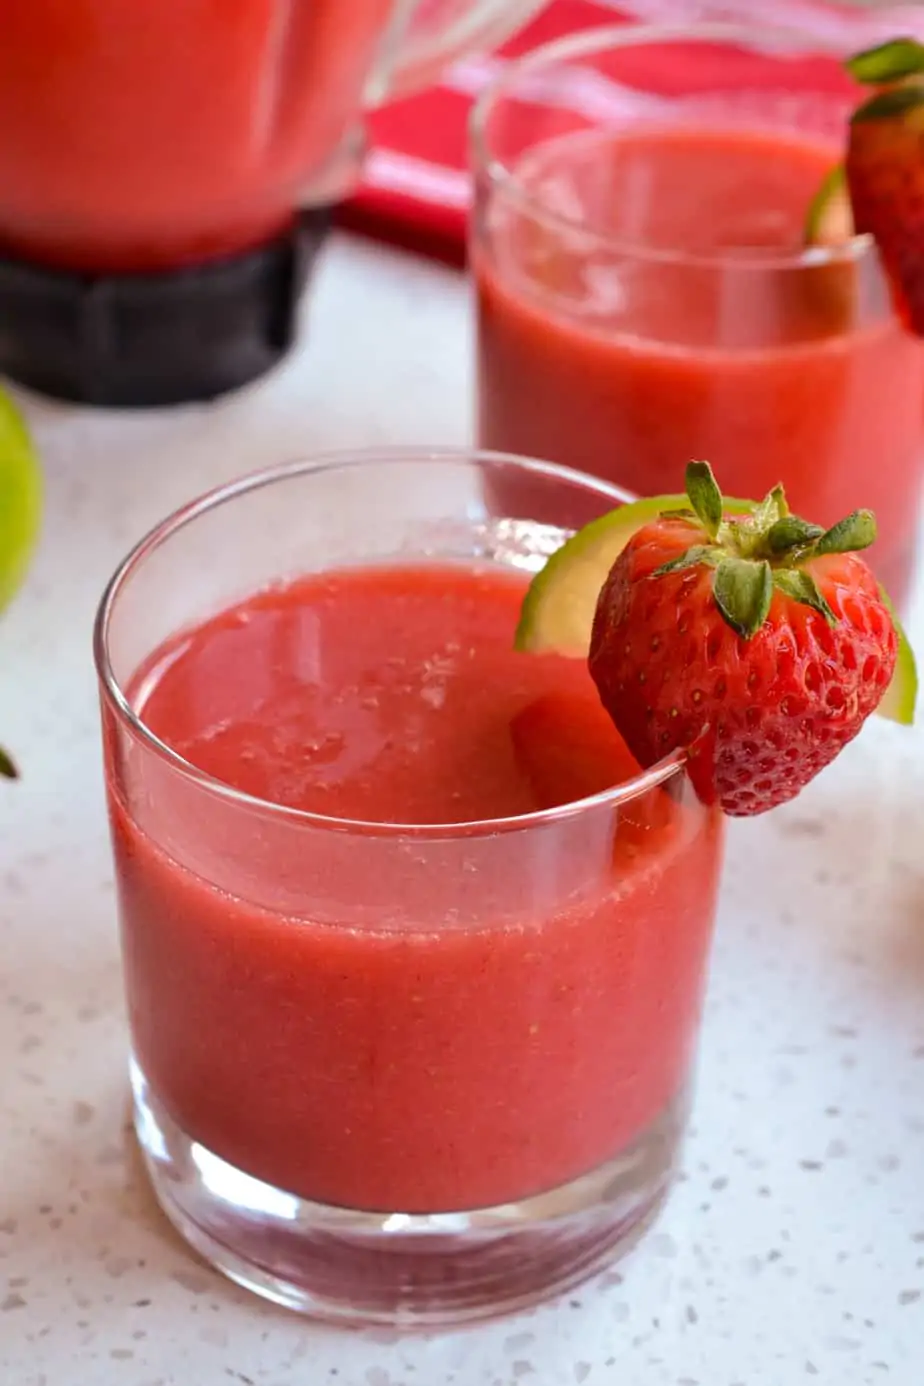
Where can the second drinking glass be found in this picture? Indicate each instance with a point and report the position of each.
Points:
(644, 291)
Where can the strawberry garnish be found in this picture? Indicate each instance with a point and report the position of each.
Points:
(884, 169)
(760, 643)
(885, 174)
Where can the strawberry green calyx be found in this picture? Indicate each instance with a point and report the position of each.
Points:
(887, 62)
(756, 554)
(7, 766)
(903, 101)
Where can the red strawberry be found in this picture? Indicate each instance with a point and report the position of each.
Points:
(760, 643)
(885, 168)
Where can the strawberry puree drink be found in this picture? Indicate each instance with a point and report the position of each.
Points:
(150, 135)
(168, 170)
(414, 952)
(406, 1066)
(172, 153)
(645, 294)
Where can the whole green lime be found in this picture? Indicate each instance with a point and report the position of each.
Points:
(20, 498)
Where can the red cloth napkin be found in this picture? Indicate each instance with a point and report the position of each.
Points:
(416, 186)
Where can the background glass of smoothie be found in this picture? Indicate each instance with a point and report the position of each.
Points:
(644, 292)
(414, 953)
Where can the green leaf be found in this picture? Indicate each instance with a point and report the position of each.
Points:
(705, 496)
(801, 587)
(773, 507)
(887, 62)
(791, 533)
(743, 591)
(892, 102)
(690, 558)
(7, 767)
(856, 531)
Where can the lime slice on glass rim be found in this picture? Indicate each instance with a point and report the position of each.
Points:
(558, 609)
(20, 512)
(829, 219)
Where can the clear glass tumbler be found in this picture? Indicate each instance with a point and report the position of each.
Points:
(384, 1071)
(645, 293)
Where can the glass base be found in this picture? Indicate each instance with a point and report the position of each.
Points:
(408, 1270)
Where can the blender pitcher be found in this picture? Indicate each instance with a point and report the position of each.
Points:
(165, 172)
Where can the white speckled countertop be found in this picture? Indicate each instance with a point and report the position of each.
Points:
(793, 1248)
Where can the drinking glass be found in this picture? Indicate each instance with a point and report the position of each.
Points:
(622, 332)
(410, 1073)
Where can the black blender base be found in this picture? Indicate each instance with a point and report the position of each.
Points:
(141, 340)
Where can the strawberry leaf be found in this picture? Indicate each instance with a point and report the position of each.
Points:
(856, 531)
(791, 533)
(891, 102)
(705, 496)
(743, 591)
(887, 62)
(801, 587)
(773, 507)
(696, 554)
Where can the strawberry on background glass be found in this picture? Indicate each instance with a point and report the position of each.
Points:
(878, 188)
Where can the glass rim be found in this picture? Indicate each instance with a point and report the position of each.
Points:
(599, 38)
(336, 460)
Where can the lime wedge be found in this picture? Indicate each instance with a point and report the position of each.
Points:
(829, 219)
(558, 610)
(898, 701)
(20, 498)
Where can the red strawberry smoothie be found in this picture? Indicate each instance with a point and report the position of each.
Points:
(140, 135)
(626, 364)
(378, 1019)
